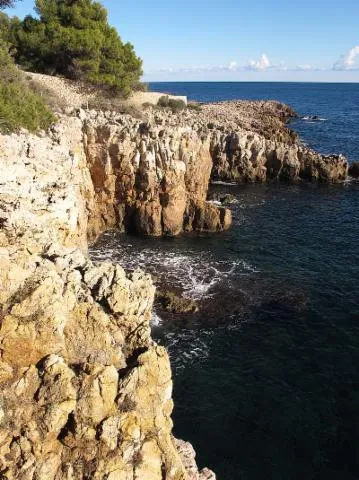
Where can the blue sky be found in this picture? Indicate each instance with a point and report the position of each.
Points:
(316, 40)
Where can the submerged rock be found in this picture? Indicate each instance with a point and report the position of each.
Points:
(173, 303)
(223, 198)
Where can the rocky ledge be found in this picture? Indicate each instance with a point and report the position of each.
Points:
(251, 142)
(86, 393)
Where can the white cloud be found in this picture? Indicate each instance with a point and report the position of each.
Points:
(348, 61)
(304, 68)
(232, 67)
(262, 64)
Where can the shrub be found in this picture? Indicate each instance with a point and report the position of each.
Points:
(140, 87)
(163, 101)
(195, 106)
(73, 38)
(19, 106)
(174, 104)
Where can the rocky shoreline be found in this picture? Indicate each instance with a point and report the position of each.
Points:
(86, 393)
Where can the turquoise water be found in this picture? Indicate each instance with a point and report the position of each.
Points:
(266, 374)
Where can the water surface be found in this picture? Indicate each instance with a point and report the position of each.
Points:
(266, 375)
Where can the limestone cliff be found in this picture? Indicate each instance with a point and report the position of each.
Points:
(85, 392)
(149, 178)
(251, 142)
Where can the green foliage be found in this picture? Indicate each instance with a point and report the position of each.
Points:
(19, 106)
(195, 106)
(174, 104)
(6, 61)
(6, 3)
(73, 38)
(8, 29)
(163, 101)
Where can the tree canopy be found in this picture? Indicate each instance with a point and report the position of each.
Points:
(6, 3)
(73, 38)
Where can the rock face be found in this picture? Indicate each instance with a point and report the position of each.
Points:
(149, 178)
(243, 157)
(45, 188)
(251, 143)
(85, 392)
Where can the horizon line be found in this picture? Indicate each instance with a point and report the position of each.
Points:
(329, 82)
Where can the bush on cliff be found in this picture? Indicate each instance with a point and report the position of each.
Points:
(174, 104)
(19, 106)
(73, 38)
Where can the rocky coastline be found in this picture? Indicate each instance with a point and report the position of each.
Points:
(86, 393)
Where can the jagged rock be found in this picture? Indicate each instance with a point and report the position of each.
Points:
(86, 393)
(90, 387)
(188, 457)
(173, 303)
(146, 176)
(222, 198)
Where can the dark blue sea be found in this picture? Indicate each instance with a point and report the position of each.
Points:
(266, 375)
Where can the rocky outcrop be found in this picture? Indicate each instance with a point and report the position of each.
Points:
(246, 157)
(96, 171)
(85, 392)
(149, 178)
(251, 142)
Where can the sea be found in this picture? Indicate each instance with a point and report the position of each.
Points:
(266, 374)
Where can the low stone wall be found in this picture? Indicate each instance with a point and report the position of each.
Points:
(140, 98)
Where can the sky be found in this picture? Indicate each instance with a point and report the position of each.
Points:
(238, 40)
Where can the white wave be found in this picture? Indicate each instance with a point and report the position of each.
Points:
(188, 346)
(156, 320)
(196, 274)
(243, 206)
(314, 118)
(247, 266)
(220, 182)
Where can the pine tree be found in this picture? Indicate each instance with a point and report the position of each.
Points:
(6, 3)
(73, 38)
